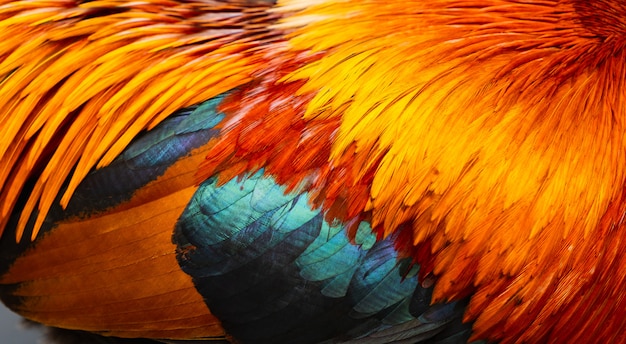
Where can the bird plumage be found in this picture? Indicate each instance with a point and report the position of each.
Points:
(188, 153)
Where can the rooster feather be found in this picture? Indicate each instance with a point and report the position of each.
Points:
(310, 171)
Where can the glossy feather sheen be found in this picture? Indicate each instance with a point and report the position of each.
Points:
(73, 70)
(274, 271)
(490, 134)
(484, 138)
(106, 263)
(246, 259)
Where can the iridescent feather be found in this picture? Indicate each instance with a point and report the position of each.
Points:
(485, 139)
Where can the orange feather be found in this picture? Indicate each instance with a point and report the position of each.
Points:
(499, 123)
(488, 136)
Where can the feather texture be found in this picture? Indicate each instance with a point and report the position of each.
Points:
(266, 264)
(313, 161)
(274, 271)
(106, 262)
(75, 80)
(433, 139)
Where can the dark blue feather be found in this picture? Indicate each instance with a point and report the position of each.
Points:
(274, 271)
(144, 160)
(267, 264)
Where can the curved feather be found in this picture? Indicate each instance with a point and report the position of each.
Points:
(486, 136)
(268, 266)
(274, 271)
(106, 263)
(72, 69)
(485, 139)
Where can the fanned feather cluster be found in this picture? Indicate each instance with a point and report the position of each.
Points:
(87, 77)
(476, 129)
(486, 137)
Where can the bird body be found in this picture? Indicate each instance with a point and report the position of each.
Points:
(305, 171)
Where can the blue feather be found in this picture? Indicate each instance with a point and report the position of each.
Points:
(269, 266)
(275, 271)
